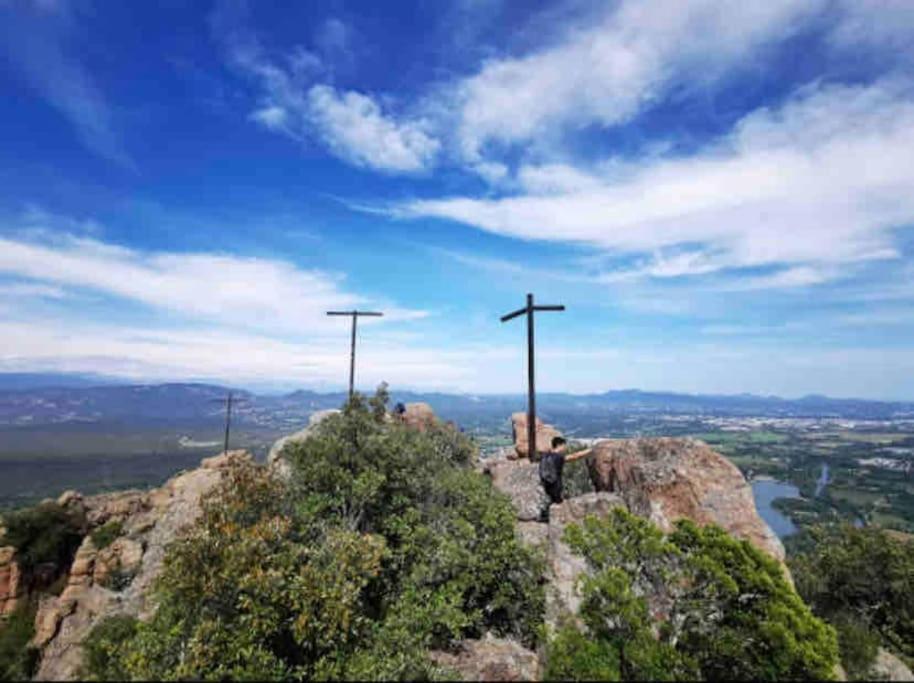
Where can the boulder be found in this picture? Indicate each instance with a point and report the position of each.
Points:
(490, 659)
(275, 459)
(544, 435)
(564, 567)
(12, 590)
(520, 480)
(419, 416)
(115, 507)
(666, 479)
(887, 667)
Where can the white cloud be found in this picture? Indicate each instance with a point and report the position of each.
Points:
(146, 354)
(887, 25)
(163, 354)
(253, 293)
(272, 117)
(24, 290)
(297, 100)
(355, 128)
(351, 125)
(606, 73)
(822, 180)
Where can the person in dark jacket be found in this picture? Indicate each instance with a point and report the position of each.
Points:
(552, 464)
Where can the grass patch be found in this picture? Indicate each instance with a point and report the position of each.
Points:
(17, 659)
(106, 534)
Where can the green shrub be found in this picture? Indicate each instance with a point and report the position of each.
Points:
(728, 612)
(106, 534)
(858, 643)
(17, 659)
(574, 656)
(103, 649)
(46, 533)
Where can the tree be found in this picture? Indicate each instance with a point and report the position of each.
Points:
(861, 580)
(697, 604)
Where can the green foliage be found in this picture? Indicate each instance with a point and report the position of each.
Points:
(381, 546)
(46, 533)
(697, 604)
(858, 643)
(378, 403)
(574, 656)
(863, 578)
(17, 659)
(106, 534)
(103, 650)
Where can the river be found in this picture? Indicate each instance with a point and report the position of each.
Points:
(766, 491)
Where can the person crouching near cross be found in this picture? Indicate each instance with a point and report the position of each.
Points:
(551, 465)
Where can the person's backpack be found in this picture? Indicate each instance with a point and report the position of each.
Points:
(549, 468)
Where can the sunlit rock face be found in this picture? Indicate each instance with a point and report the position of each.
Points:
(490, 659)
(150, 521)
(666, 479)
(544, 435)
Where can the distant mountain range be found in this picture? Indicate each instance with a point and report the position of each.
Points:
(35, 399)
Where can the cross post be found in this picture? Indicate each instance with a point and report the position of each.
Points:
(355, 317)
(529, 310)
(228, 402)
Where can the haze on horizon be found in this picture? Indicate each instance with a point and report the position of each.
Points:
(721, 193)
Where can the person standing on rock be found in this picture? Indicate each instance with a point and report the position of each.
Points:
(551, 465)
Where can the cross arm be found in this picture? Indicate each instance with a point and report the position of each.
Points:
(548, 308)
(373, 314)
(520, 311)
(341, 312)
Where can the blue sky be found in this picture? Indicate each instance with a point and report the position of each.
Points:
(721, 193)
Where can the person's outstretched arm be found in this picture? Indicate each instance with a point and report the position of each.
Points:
(578, 455)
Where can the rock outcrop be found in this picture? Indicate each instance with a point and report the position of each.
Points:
(888, 667)
(490, 659)
(666, 479)
(419, 416)
(275, 459)
(544, 435)
(11, 589)
(520, 480)
(660, 479)
(150, 520)
(562, 596)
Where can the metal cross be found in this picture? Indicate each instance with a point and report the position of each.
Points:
(228, 402)
(529, 309)
(355, 317)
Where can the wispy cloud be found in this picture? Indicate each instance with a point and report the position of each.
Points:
(606, 71)
(244, 292)
(39, 40)
(786, 186)
(296, 100)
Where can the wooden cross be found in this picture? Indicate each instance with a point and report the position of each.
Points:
(228, 402)
(355, 316)
(529, 309)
